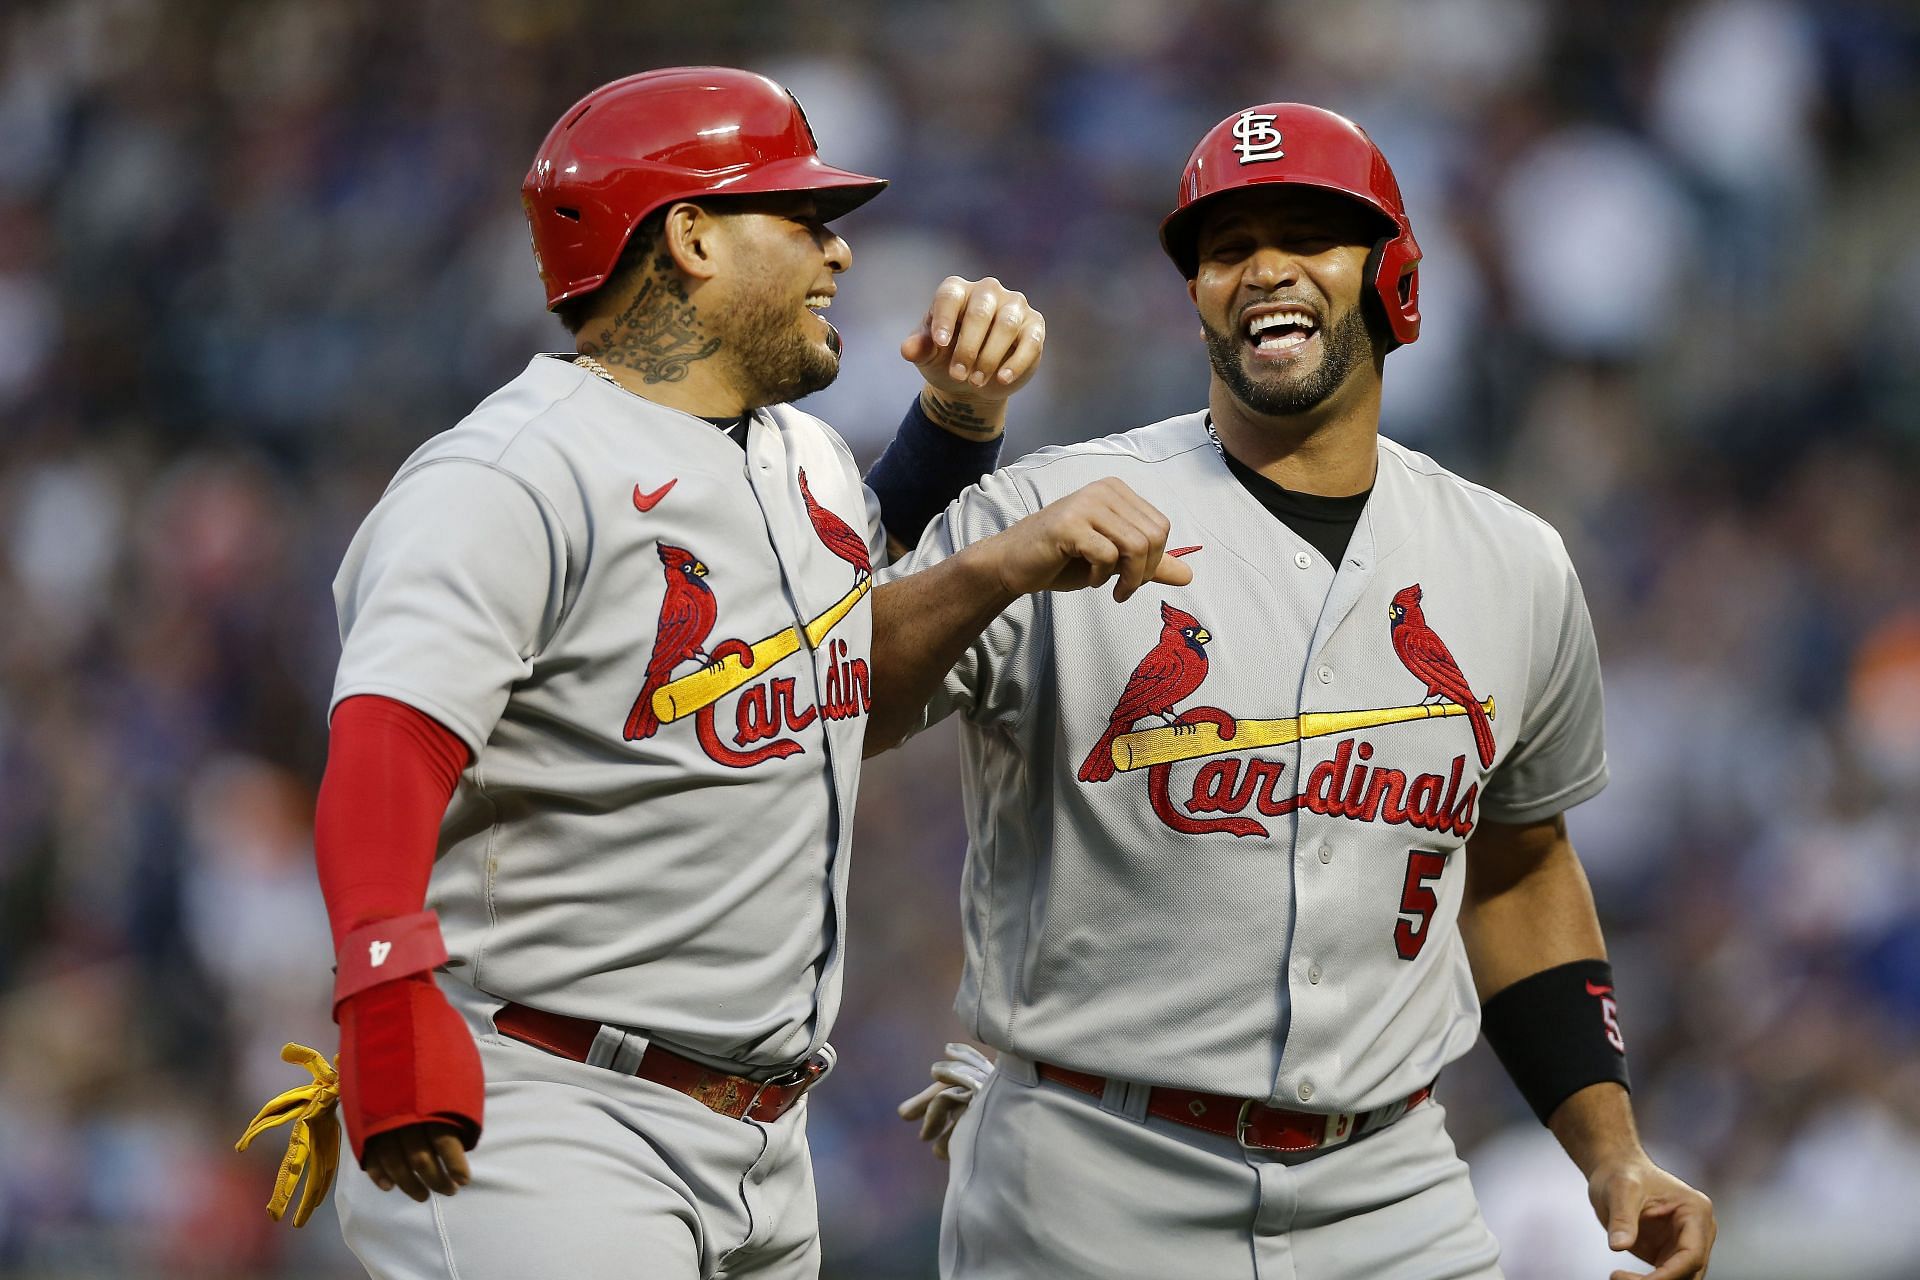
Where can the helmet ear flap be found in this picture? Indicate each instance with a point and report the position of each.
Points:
(1393, 276)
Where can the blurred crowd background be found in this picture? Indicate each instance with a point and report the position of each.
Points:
(252, 253)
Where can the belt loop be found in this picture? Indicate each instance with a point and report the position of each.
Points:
(633, 1048)
(617, 1050)
(1126, 1099)
(828, 1060)
(1018, 1069)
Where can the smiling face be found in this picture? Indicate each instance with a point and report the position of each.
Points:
(1278, 287)
(784, 259)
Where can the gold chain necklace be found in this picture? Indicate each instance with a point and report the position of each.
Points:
(597, 369)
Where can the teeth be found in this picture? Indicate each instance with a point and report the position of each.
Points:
(819, 301)
(1259, 324)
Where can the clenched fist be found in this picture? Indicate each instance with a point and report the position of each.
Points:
(979, 343)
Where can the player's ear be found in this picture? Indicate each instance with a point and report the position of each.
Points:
(690, 236)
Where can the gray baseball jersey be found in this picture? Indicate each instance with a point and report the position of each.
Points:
(656, 649)
(1216, 831)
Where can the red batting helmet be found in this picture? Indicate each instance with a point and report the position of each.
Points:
(1291, 143)
(641, 143)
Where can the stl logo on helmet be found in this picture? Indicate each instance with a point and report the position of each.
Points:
(1258, 139)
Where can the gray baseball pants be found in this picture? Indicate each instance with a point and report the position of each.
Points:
(1047, 1182)
(583, 1172)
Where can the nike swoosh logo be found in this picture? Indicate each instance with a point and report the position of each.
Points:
(1598, 991)
(648, 501)
(1183, 551)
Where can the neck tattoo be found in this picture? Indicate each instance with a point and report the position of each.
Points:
(658, 335)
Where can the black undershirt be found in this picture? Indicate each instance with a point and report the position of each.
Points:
(1325, 524)
(734, 429)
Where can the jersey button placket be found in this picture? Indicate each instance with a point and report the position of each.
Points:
(1303, 559)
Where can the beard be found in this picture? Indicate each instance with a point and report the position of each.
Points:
(777, 359)
(1343, 346)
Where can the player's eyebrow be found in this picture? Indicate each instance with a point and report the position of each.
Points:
(774, 204)
(1222, 227)
(1293, 215)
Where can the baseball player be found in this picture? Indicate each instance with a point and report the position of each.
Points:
(601, 703)
(1252, 860)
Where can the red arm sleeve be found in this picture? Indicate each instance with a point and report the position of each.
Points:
(390, 772)
(406, 1056)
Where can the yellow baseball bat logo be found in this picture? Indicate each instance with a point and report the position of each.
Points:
(1169, 745)
(708, 685)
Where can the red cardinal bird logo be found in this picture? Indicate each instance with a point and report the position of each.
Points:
(835, 533)
(1172, 670)
(1426, 655)
(686, 616)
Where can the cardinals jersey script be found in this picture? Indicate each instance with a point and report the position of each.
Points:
(632, 617)
(1217, 831)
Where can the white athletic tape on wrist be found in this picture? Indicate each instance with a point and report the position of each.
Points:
(386, 951)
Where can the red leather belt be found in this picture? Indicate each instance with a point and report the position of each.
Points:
(1252, 1124)
(733, 1096)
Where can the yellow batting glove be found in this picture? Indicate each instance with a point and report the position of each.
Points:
(315, 1136)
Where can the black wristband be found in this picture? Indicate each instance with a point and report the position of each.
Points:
(923, 470)
(1557, 1032)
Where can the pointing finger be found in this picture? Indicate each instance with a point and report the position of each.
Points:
(1173, 572)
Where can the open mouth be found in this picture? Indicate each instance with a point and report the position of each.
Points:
(1282, 332)
(817, 303)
